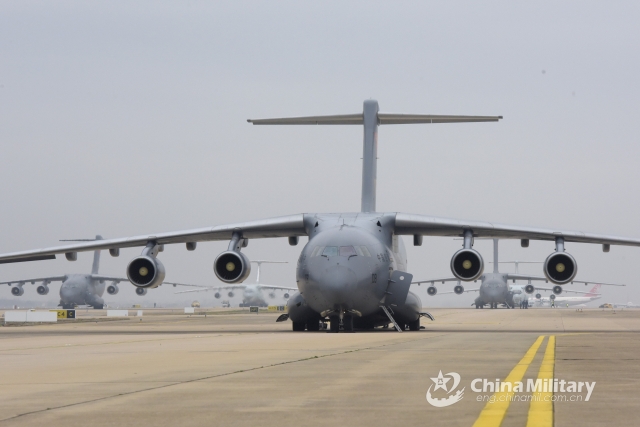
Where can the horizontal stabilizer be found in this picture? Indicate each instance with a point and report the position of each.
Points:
(342, 119)
(383, 119)
(402, 119)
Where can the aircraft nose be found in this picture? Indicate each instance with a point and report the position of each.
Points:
(338, 283)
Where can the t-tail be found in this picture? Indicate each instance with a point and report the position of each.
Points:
(371, 118)
(96, 254)
(260, 262)
(96, 259)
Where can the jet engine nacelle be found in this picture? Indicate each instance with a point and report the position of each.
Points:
(467, 264)
(145, 272)
(538, 296)
(458, 289)
(17, 291)
(42, 290)
(557, 290)
(217, 295)
(141, 291)
(230, 294)
(113, 289)
(232, 267)
(432, 290)
(272, 295)
(552, 297)
(286, 295)
(529, 289)
(560, 268)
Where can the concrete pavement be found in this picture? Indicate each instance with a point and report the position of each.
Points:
(240, 369)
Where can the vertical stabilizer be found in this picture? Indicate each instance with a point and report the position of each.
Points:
(495, 255)
(260, 262)
(370, 155)
(371, 118)
(96, 259)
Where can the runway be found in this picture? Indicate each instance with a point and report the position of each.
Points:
(173, 369)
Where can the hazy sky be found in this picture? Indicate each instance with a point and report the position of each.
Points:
(125, 118)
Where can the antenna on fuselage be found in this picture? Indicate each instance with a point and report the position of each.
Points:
(260, 262)
(370, 118)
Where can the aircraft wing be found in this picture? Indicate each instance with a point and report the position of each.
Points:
(407, 224)
(285, 226)
(194, 290)
(539, 278)
(34, 281)
(451, 292)
(433, 281)
(284, 288)
(202, 288)
(567, 290)
(108, 278)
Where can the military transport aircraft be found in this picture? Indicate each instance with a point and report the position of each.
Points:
(494, 288)
(353, 269)
(252, 295)
(76, 289)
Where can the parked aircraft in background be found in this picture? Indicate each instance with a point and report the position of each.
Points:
(494, 288)
(540, 301)
(626, 305)
(252, 295)
(76, 289)
(353, 270)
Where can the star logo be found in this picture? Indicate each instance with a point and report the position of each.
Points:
(441, 382)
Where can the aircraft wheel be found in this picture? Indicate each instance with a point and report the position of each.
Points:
(477, 306)
(298, 326)
(334, 324)
(347, 324)
(98, 306)
(313, 325)
(415, 325)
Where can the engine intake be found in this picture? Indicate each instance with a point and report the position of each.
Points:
(217, 295)
(145, 272)
(42, 290)
(529, 289)
(232, 267)
(557, 289)
(141, 291)
(560, 268)
(113, 289)
(432, 290)
(17, 291)
(458, 289)
(467, 264)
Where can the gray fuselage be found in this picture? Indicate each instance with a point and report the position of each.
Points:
(81, 289)
(347, 263)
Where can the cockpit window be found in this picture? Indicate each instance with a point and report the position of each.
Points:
(330, 251)
(317, 251)
(347, 251)
(365, 251)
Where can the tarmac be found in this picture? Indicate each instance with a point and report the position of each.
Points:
(232, 368)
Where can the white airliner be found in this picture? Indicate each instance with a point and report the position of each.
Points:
(540, 301)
